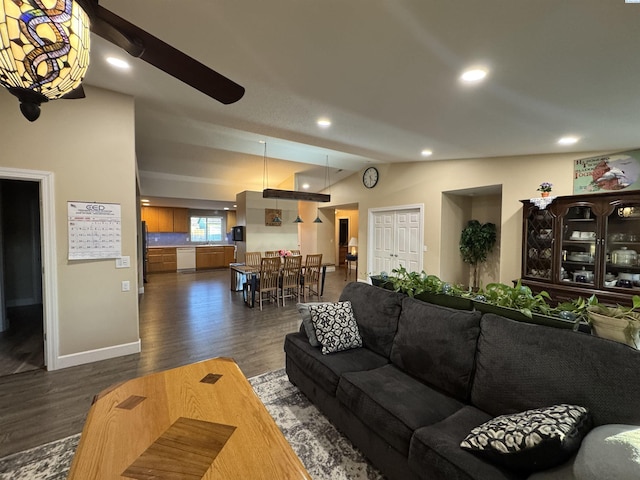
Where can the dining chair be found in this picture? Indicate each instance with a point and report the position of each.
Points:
(252, 259)
(267, 281)
(295, 252)
(310, 281)
(290, 278)
(271, 253)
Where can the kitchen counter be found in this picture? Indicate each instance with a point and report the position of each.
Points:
(164, 258)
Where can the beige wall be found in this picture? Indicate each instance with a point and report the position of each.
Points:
(260, 237)
(89, 146)
(425, 182)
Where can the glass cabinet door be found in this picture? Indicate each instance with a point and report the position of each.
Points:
(622, 268)
(538, 254)
(578, 252)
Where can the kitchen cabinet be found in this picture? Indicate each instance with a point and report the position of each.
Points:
(161, 259)
(166, 219)
(582, 245)
(218, 256)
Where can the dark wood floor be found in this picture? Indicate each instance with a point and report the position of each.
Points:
(21, 346)
(184, 318)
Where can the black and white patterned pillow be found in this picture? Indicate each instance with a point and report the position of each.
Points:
(531, 440)
(335, 326)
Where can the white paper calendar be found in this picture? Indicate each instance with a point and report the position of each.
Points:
(94, 230)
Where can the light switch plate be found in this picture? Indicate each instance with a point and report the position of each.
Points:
(126, 285)
(123, 262)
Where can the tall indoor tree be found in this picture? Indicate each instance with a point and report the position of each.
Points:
(476, 242)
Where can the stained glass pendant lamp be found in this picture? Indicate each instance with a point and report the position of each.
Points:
(44, 50)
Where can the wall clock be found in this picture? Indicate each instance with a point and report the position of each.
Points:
(370, 177)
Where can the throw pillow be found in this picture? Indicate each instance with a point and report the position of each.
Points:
(531, 440)
(609, 451)
(335, 326)
(305, 314)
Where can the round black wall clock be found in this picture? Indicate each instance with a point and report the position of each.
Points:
(370, 177)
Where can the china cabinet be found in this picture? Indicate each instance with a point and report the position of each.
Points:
(583, 244)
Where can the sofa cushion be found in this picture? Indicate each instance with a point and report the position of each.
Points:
(326, 369)
(437, 345)
(335, 327)
(376, 310)
(609, 451)
(532, 440)
(307, 324)
(435, 450)
(521, 366)
(393, 404)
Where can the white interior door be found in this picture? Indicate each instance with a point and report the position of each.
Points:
(408, 246)
(397, 235)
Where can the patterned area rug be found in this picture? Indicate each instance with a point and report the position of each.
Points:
(324, 451)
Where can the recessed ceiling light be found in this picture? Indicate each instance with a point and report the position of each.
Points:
(324, 122)
(118, 63)
(568, 140)
(235, 206)
(426, 153)
(226, 208)
(305, 186)
(473, 75)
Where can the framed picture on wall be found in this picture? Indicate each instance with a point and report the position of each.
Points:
(606, 173)
(273, 217)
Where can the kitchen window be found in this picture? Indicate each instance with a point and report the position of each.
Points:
(207, 229)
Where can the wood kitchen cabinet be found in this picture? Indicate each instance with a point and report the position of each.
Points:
(218, 256)
(161, 259)
(582, 245)
(166, 219)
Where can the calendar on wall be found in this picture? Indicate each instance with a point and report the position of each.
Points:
(94, 230)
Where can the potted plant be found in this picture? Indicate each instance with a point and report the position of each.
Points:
(520, 303)
(476, 242)
(618, 323)
(429, 288)
(545, 189)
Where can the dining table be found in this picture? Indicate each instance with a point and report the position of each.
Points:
(240, 271)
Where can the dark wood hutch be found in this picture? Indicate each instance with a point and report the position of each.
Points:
(580, 245)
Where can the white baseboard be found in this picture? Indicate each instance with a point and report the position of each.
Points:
(90, 356)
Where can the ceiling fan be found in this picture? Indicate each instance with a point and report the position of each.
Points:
(46, 55)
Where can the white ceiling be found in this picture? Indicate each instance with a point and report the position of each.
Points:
(386, 73)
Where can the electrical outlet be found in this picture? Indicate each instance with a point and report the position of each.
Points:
(126, 285)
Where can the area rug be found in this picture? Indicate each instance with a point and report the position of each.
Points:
(323, 450)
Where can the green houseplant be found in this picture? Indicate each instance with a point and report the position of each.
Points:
(618, 323)
(476, 242)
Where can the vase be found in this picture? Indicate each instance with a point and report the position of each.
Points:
(544, 194)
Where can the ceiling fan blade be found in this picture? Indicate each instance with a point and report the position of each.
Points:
(154, 51)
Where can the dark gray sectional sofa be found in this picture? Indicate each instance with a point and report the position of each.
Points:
(426, 375)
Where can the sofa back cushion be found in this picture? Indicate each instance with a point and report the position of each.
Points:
(376, 311)
(520, 366)
(437, 345)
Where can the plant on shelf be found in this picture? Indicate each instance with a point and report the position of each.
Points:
(476, 242)
(545, 187)
(518, 297)
(414, 283)
(618, 323)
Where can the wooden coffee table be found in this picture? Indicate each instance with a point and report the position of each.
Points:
(200, 421)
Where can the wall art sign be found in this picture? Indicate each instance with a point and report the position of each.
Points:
(606, 173)
(94, 230)
(270, 215)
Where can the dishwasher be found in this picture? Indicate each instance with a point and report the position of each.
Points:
(186, 258)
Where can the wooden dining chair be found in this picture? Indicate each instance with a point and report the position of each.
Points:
(271, 253)
(267, 282)
(252, 259)
(295, 252)
(290, 278)
(311, 275)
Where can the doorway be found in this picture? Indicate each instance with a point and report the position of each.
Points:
(397, 235)
(21, 311)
